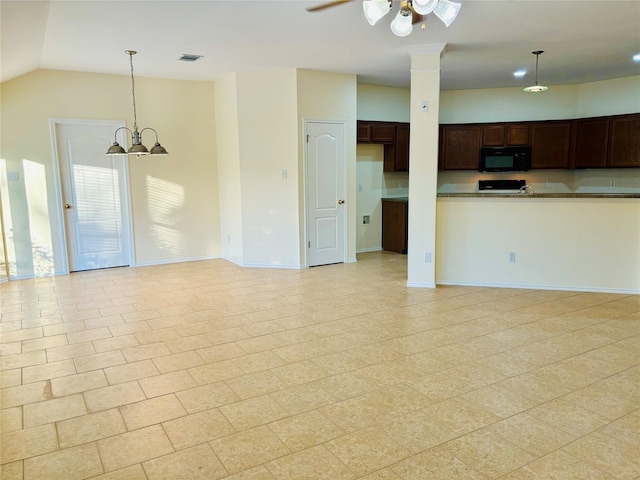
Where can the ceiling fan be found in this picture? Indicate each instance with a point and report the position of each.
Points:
(411, 12)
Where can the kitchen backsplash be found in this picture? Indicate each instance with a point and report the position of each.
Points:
(619, 180)
(395, 184)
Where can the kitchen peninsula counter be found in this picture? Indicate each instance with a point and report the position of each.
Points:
(538, 195)
(560, 241)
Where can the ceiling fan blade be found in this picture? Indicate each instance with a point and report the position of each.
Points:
(322, 6)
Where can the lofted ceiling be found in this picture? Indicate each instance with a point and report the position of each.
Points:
(583, 41)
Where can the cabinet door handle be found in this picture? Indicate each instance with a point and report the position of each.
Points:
(340, 202)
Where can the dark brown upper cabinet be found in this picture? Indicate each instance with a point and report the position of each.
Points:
(396, 155)
(500, 135)
(364, 132)
(460, 147)
(376, 132)
(395, 138)
(590, 143)
(598, 142)
(550, 144)
(624, 141)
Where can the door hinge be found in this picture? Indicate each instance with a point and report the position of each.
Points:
(309, 244)
(307, 138)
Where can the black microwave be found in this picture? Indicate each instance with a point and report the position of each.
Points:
(505, 159)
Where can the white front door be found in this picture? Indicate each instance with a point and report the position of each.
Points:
(95, 199)
(325, 196)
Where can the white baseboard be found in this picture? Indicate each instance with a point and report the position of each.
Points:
(567, 288)
(174, 260)
(263, 265)
(367, 250)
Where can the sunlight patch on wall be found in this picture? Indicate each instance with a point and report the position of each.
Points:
(35, 184)
(165, 202)
(7, 238)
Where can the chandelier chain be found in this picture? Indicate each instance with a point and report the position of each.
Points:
(133, 93)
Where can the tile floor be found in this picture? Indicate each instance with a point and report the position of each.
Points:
(205, 370)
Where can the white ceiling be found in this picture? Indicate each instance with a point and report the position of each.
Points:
(583, 41)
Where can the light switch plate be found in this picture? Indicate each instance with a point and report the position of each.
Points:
(13, 177)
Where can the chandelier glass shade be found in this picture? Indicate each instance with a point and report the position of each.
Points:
(402, 24)
(137, 148)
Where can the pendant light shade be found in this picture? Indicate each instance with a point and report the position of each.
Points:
(402, 25)
(535, 88)
(137, 148)
(374, 10)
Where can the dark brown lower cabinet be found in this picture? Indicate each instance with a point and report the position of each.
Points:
(395, 225)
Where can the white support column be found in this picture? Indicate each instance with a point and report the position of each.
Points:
(423, 171)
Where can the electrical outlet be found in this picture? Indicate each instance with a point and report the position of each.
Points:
(612, 186)
(549, 184)
(512, 257)
(360, 187)
(427, 257)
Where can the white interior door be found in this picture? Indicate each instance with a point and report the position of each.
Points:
(94, 189)
(326, 174)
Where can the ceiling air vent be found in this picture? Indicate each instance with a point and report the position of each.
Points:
(187, 57)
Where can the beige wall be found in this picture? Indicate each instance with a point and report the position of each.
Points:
(330, 96)
(389, 104)
(559, 102)
(228, 165)
(183, 114)
(268, 134)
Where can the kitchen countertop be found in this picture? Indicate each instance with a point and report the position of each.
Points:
(541, 195)
(395, 199)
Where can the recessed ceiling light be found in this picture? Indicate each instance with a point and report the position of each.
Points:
(519, 73)
(636, 57)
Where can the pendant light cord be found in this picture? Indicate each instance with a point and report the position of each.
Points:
(537, 56)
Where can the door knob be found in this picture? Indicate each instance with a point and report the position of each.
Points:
(68, 206)
(340, 202)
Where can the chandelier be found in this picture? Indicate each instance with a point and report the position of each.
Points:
(402, 24)
(137, 148)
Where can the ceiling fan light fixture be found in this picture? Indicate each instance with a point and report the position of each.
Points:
(374, 10)
(535, 88)
(447, 11)
(424, 7)
(402, 24)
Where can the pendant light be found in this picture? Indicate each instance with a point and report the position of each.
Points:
(535, 88)
(137, 148)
